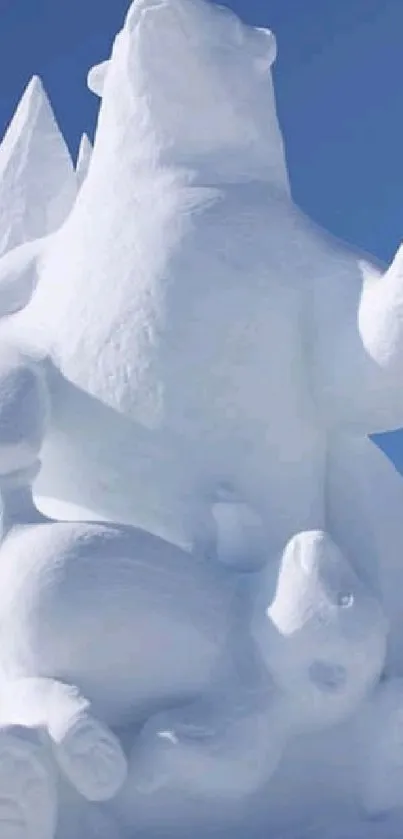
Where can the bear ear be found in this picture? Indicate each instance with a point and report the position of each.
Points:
(135, 10)
(266, 48)
(96, 78)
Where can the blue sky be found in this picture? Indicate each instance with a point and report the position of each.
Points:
(339, 82)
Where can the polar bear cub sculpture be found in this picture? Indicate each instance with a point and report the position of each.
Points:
(324, 637)
(103, 622)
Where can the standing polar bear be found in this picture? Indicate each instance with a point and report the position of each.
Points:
(194, 329)
(199, 321)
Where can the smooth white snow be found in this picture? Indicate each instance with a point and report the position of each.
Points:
(190, 355)
(382, 743)
(19, 276)
(96, 78)
(24, 411)
(37, 184)
(28, 803)
(83, 159)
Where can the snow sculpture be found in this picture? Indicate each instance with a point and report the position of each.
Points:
(321, 637)
(114, 167)
(203, 363)
(83, 159)
(191, 375)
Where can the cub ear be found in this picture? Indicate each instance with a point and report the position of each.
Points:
(96, 78)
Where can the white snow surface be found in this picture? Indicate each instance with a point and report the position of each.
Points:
(201, 629)
(37, 185)
(83, 159)
(96, 78)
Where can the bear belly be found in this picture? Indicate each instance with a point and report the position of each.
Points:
(171, 477)
(195, 370)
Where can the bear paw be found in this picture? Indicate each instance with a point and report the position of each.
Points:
(28, 799)
(92, 759)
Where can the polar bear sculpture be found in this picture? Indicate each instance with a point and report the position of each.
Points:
(221, 412)
(191, 329)
(161, 329)
(107, 624)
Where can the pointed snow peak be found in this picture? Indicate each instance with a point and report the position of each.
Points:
(34, 88)
(34, 108)
(83, 159)
(37, 181)
(396, 268)
(36, 84)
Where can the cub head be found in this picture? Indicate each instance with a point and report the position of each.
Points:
(321, 632)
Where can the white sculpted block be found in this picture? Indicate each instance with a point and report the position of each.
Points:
(37, 184)
(193, 360)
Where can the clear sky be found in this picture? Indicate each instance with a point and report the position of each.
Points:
(339, 82)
